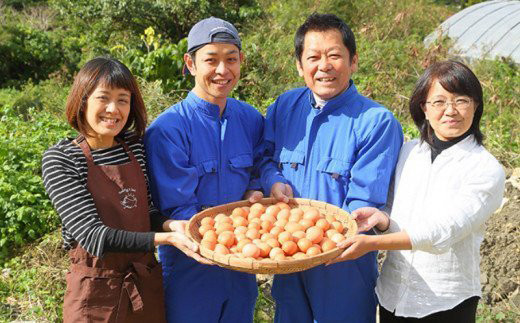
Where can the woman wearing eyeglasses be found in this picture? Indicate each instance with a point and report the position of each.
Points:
(446, 185)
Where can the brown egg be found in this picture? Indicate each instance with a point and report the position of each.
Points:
(300, 255)
(221, 249)
(306, 223)
(338, 226)
(246, 209)
(295, 218)
(313, 251)
(240, 229)
(221, 227)
(253, 234)
(266, 225)
(331, 232)
(210, 235)
(312, 214)
(208, 221)
(274, 251)
(264, 249)
(297, 211)
(283, 205)
(266, 236)
(240, 236)
(272, 210)
(242, 243)
(251, 250)
(289, 248)
(276, 231)
(293, 227)
(268, 217)
(280, 223)
(314, 234)
(283, 215)
(226, 238)
(297, 235)
(328, 245)
(338, 237)
(254, 225)
(257, 207)
(204, 228)
(330, 218)
(238, 211)
(323, 224)
(240, 221)
(219, 217)
(209, 244)
(254, 214)
(284, 236)
(304, 244)
(273, 243)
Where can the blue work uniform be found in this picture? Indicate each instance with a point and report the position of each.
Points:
(198, 159)
(343, 154)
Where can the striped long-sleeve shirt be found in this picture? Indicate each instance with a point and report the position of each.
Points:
(64, 172)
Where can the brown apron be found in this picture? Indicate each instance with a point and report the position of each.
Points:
(120, 287)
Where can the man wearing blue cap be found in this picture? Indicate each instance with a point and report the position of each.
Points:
(202, 152)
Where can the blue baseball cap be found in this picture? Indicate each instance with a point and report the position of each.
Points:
(212, 30)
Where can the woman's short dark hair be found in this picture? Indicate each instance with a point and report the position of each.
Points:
(324, 22)
(113, 74)
(454, 77)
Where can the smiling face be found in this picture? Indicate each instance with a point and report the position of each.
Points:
(216, 69)
(106, 114)
(451, 122)
(325, 63)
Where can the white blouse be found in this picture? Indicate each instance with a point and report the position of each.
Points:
(443, 207)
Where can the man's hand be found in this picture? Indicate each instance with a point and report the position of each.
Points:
(356, 247)
(282, 192)
(369, 217)
(253, 196)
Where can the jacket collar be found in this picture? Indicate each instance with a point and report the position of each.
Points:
(342, 99)
(208, 108)
(457, 151)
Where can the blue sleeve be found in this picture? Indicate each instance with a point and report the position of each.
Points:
(255, 183)
(269, 171)
(375, 164)
(173, 180)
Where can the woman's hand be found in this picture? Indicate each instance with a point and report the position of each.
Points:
(369, 217)
(356, 247)
(177, 237)
(253, 196)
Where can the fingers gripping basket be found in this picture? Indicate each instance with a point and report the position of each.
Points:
(270, 266)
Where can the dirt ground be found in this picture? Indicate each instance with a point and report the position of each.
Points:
(500, 253)
(500, 250)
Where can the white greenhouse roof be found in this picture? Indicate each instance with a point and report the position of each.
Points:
(488, 29)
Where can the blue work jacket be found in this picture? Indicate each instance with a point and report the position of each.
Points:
(198, 159)
(343, 154)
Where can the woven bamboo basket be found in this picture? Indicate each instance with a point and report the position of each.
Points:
(270, 266)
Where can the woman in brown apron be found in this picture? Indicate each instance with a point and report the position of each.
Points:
(104, 202)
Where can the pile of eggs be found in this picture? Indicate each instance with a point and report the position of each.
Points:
(276, 232)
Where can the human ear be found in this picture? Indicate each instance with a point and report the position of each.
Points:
(190, 64)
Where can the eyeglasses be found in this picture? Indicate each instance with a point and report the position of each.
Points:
(461, 104)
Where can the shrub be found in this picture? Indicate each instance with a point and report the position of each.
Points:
(25, 211)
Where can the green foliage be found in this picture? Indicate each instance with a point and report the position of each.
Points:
(486, 314)
(160, 60)
(27, 53)
(25, 211)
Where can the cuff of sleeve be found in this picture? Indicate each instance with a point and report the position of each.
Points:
(419, 238)
(255, 185)
(356, 204)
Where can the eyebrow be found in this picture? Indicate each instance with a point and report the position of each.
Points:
(107, 92)
(231, 51)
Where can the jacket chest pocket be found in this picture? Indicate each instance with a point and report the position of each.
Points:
(335, 170)
(243, 162)
(207, 167)
(288, 160)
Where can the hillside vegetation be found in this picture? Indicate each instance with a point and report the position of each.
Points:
(43, 43)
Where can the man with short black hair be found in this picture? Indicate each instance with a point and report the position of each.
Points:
(327, 142)
(201, 152)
